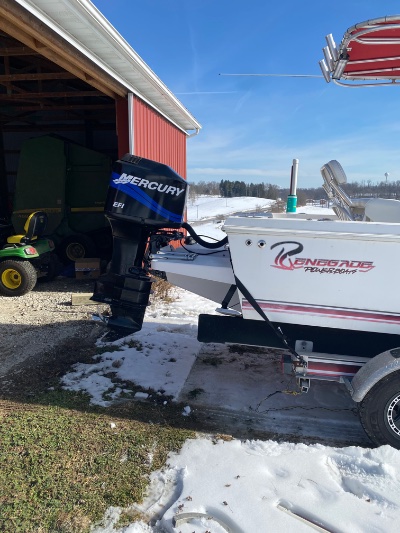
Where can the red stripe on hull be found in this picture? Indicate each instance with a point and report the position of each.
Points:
(346, 314)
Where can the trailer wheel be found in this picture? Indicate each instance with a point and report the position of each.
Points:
(76, 247)
(380, 411)
(16, 277)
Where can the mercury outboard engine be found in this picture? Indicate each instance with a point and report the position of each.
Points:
(143, 197)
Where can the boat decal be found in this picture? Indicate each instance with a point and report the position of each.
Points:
(284, 261)
(134, 191)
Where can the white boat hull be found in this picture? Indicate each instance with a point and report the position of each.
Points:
(331, 274)
(320, 273)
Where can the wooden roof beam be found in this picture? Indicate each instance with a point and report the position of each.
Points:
(17, 51)
(29, 126)
(20, 24)
(62, 94)
(72, 107)
(37, 76)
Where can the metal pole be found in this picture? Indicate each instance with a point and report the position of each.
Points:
(292, 198)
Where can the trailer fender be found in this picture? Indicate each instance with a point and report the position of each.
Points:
(373, 371)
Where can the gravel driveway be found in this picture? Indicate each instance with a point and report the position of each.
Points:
(42, 331)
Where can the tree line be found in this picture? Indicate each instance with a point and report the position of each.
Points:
(384, 189)
(232, 188)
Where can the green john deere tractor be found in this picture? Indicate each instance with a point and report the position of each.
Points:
(26, 257)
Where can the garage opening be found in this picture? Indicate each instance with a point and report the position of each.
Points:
(57, 141)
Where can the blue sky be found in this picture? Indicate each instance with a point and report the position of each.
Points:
(253, 127)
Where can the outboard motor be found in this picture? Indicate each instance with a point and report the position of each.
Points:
(143, 196)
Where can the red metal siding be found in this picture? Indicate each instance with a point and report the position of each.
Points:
(156, 138)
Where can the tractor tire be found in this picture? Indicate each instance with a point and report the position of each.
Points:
(16, 277)
(76, 247)
(380, 411)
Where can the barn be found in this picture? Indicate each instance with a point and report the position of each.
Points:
(74, 97)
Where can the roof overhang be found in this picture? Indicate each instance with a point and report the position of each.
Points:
(76, 36)
(368, 55)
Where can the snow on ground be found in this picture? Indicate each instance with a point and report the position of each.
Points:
(255, 486)
(159, 357)
(315, 210)
(218, 485)
(205, 207)
(223, 484)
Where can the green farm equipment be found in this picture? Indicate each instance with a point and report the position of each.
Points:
(25, 257)
(69, 183)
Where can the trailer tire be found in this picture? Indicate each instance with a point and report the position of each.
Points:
(16, 277)
(76, 247)
(380, 411)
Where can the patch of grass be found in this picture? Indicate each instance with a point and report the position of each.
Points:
(163, 290)
(130, 515)
(62, 468)
(244, 348)
(222, 436)
(108, 348)
(108, 395)
(193, 394)
(134, 343)
(58, 397)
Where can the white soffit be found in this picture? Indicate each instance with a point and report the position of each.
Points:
(82, 25)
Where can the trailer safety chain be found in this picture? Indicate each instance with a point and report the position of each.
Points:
(284, 391)
(277, 331)
(257, 407)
